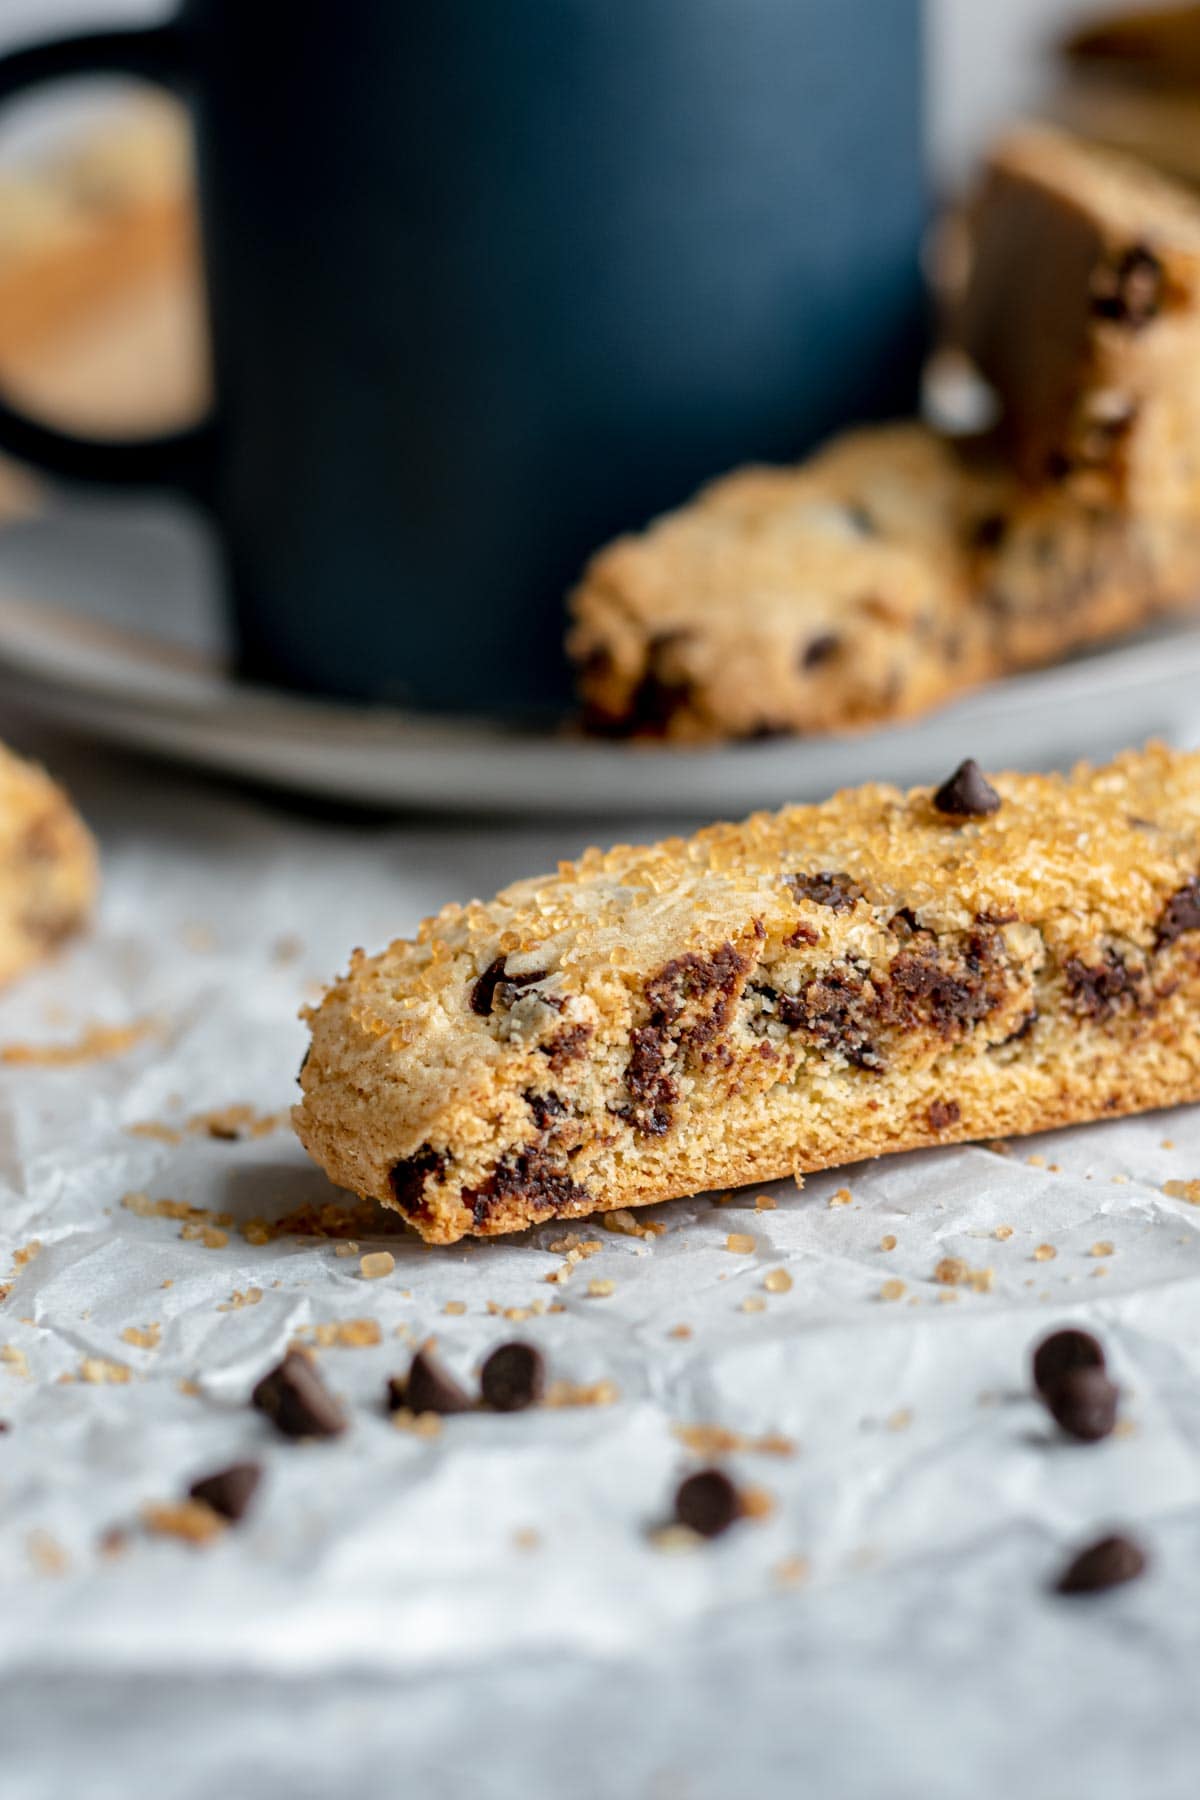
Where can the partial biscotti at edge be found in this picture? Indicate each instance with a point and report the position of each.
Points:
(47, 867)
(886, 575)
(805, 989)
(1082, 309)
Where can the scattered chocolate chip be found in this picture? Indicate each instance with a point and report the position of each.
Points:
(819, 650)
(429, 1389)
(296, 1400)
(1083, 1402)
(4, 1425)
(800, 935)
(707, 1503)
(1130, 291)
(1061, 1353)
(1180, 914)
(944, 1113)
(832, 888)
(230, 1491)
(513, 1377)
(1104, 1564)
(967, 795)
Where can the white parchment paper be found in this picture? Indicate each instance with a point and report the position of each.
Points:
(486, 1612)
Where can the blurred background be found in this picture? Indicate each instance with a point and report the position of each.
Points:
(349, 510)
(127, 353)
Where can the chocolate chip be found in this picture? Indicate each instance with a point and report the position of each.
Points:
(1096, 989)
(513, 1377)
(1180, 914)
(429, 1389)
(296, 1400)
(230, 1491)
(819, 650)
(1083, 1402)
(944, 1113)
(832, 888)
(707, 1503)
(483, 991)
(1061, 1353)
(1104, 1564)
(988, 533)
(1131, 291)
(409, 1179)
(4, 1425)
(537, 1177)
(545, 1109)
(967, 795)
(566, 1046)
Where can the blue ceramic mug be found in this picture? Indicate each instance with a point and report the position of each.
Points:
(491, 280)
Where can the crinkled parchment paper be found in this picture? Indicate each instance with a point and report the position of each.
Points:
(486, 1611)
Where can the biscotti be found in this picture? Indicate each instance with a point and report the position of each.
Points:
(882, 972)
(889, 573)
(1082, 309)
(813, 598)
(47, 867)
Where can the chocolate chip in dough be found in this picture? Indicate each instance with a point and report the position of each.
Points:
(1083, 1402)
(831, 887)
(1063, 1352)
(296, 1400)
(1131, 291)
(1104, 1564)
(967, 794)
(819, 650)
(230, 1491)
(707, 1503)
(1180, 914)
(513, 1377)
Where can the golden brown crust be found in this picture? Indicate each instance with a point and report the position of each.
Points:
(804, 989)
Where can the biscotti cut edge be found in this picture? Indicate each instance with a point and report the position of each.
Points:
(806, 989)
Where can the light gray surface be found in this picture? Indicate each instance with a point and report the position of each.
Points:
(922, 1660)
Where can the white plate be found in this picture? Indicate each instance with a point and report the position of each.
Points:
(75, 583)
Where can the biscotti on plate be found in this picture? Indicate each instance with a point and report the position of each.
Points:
(811, 987)
(47, 867)
(1082, 309)
(885, 575)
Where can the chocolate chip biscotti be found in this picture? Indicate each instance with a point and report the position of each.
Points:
(47, 866)
(1082, 309)
(887, 574)
(882, 972)
(812, 598)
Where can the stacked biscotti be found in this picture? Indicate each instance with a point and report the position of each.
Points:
(897, 568)
(808, 988)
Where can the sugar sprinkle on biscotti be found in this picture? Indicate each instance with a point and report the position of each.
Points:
(795, 992)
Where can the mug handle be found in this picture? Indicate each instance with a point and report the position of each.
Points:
(181, 459)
